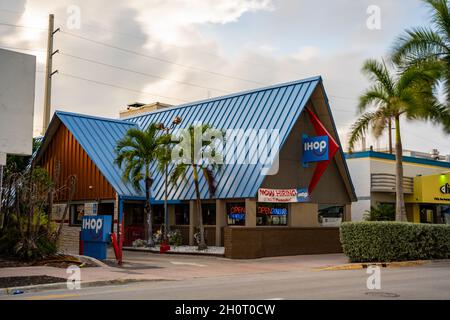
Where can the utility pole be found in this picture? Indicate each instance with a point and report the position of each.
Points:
(49, 72)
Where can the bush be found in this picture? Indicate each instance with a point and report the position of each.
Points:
(175, 238)
(394, 241)
(382, 212)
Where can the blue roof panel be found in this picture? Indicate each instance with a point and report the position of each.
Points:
(276, 107)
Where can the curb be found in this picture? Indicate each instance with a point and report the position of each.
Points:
(358, 266)
(63, 285)
(156, 251)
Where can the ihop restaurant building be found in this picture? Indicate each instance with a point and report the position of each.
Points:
(292, 204)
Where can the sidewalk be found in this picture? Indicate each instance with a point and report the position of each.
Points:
(145, 266)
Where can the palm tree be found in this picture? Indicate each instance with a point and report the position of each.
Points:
(408, 94)
(194, 148)
(137, 150)
(424, 44)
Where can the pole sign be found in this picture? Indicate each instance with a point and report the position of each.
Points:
(96, 228)
(95, 234)
(315, 149)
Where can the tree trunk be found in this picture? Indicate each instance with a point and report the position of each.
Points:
(148, 211)
(390, 136)
(166, 209)
(50, 210)
(400, 211)
(202, 245)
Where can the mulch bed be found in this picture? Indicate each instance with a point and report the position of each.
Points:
(8, 282)
(57, 261)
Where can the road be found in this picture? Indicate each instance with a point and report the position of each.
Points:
(429, 281)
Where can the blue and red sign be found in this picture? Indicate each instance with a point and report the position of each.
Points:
(327, 146)
(96, 228)
(315, 149)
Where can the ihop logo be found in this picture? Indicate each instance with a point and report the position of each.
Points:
(92, 228)
(315, 149)
(93, 224)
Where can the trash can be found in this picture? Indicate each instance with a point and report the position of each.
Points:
(95, 235)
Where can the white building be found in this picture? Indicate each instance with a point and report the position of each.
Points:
(373, 176)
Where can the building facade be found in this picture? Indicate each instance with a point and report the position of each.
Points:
(425, 180)
(277, 203)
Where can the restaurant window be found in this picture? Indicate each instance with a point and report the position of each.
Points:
(209, 213)
(181, 214)
(134, 214)
(271, 214)
(236, 214)
(158, 214)
(76, 214)
(330, 215)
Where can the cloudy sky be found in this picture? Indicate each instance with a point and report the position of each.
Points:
(175, 51)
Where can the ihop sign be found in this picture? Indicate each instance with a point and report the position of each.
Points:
(95, 234)
(315, 149)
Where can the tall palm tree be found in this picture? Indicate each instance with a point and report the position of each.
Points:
(424, 44)
(408, 94)
(196, 147)
(137, 150)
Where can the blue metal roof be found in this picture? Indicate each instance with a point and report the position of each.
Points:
(98, 137)
(274, 107)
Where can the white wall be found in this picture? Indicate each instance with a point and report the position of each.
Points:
(360, 172)
(361, 169)
(17, 87)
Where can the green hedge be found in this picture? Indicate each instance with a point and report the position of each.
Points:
(394, 241)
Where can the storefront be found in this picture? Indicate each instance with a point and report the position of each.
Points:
(299, 192)
(430, 202)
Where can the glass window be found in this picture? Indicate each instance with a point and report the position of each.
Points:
(158, 213)
(330, 215)
(76, 214)
(209, 213)
(181, 214)
(236, 214)
(271, 214)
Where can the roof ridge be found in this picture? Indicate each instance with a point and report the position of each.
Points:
(82, 115)
(218, 98)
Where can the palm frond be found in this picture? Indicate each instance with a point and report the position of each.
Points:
(418, 45)
(440, 15)
(360, 127)
(378, 73)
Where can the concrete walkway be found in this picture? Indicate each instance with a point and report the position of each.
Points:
(154, 267)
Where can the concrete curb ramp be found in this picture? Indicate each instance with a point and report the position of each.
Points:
(358, 266)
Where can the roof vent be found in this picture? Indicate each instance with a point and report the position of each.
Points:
(138, 108)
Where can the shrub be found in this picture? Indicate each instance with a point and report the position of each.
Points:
(394, 241)
(382, 212)
(174, 237)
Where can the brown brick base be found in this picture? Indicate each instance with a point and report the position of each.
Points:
(258, 242)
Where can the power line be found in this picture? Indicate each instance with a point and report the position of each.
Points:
(161, 59)
(24, 49)
(140, 73)
(117, 86)
(21, 26)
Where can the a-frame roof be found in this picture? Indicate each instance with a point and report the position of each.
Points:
(276, 107)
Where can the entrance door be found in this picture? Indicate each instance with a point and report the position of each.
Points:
(428, 214)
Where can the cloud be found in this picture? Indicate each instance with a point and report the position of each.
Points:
(262, 41)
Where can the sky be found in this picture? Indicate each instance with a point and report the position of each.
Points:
(112, 53)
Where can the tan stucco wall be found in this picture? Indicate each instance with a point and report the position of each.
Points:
(303, 215)
(330, 189)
